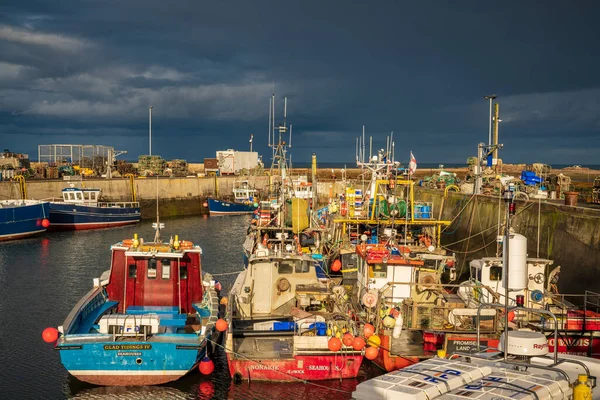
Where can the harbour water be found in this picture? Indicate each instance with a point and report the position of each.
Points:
(42, 278)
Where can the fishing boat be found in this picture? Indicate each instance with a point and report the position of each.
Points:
(391, 256)
(146, 321)
(244, 201)
(23, 218)
(535, 279)
(81, 208)
(518, 368)
(284, 323)
(281, 317)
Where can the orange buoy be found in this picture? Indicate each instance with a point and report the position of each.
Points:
(334, 344)
(50, 335)
(371, 353)
(207, 366)
(221, 325)
(224, 301)
(511, 316)
(368, 330)
(336, 266)
(358, 343)
(347, 339)
(45, 222)
(205, 204)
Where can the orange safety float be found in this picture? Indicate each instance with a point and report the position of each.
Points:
(344, 208)
(186, 245)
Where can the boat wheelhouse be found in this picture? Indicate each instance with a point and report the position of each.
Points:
(81, 208)
(146, 321)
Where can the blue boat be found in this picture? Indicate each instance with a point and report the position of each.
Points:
(80, 208)
(22, 218)
(146, 321)
(244, 201)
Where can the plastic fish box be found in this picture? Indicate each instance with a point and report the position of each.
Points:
(274, 326)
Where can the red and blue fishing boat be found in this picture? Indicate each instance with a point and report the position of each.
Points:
(244, 201)
(146, 321)
(23, 218)
(81, 208)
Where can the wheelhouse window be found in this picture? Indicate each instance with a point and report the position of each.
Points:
(132, 271)
(152, 268)
(86, 195)
(71, 196)
(285, 267)
(93, 195)
(166, 269)
(79, 196)
(379, 270)
(476, 273)
(183, 272)
(302, 267)
(495, 273)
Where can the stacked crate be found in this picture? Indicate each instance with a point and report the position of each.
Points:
(154, 164)
(178, 167)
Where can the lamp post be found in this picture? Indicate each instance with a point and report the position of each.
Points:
(491, 98)
(150, 130)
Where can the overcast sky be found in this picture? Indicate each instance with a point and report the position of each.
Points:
(86, 71)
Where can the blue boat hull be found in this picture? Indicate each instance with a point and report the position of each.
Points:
(75, 217)
(219, 207)
(134, 363)
(22, 221)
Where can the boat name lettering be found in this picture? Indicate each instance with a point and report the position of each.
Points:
(569, 343)
(69, 347)
(265, 367)
(127, 346)
(295, 371)
(129, 353)
(318, 368)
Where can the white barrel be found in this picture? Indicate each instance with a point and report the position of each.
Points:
(517, 263)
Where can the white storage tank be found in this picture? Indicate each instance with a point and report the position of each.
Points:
(517, 263)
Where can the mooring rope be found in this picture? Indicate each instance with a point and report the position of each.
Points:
(227, 273)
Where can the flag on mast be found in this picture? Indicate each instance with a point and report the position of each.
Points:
(412, 165)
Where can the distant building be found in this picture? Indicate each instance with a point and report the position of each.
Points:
(231, 162)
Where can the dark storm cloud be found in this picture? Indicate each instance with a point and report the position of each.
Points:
(85, 72)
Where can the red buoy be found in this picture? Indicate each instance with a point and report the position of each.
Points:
(218, 286)
(221, 325)
(50, 335)
(205, 204)
(207, 366)
(358, 343)
(368, 330)
(46, 223)
(347, 339)
(334, 344)
(371, 353)
(336, 266)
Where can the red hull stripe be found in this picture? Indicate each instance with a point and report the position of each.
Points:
(88, 225)
(312, 368)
